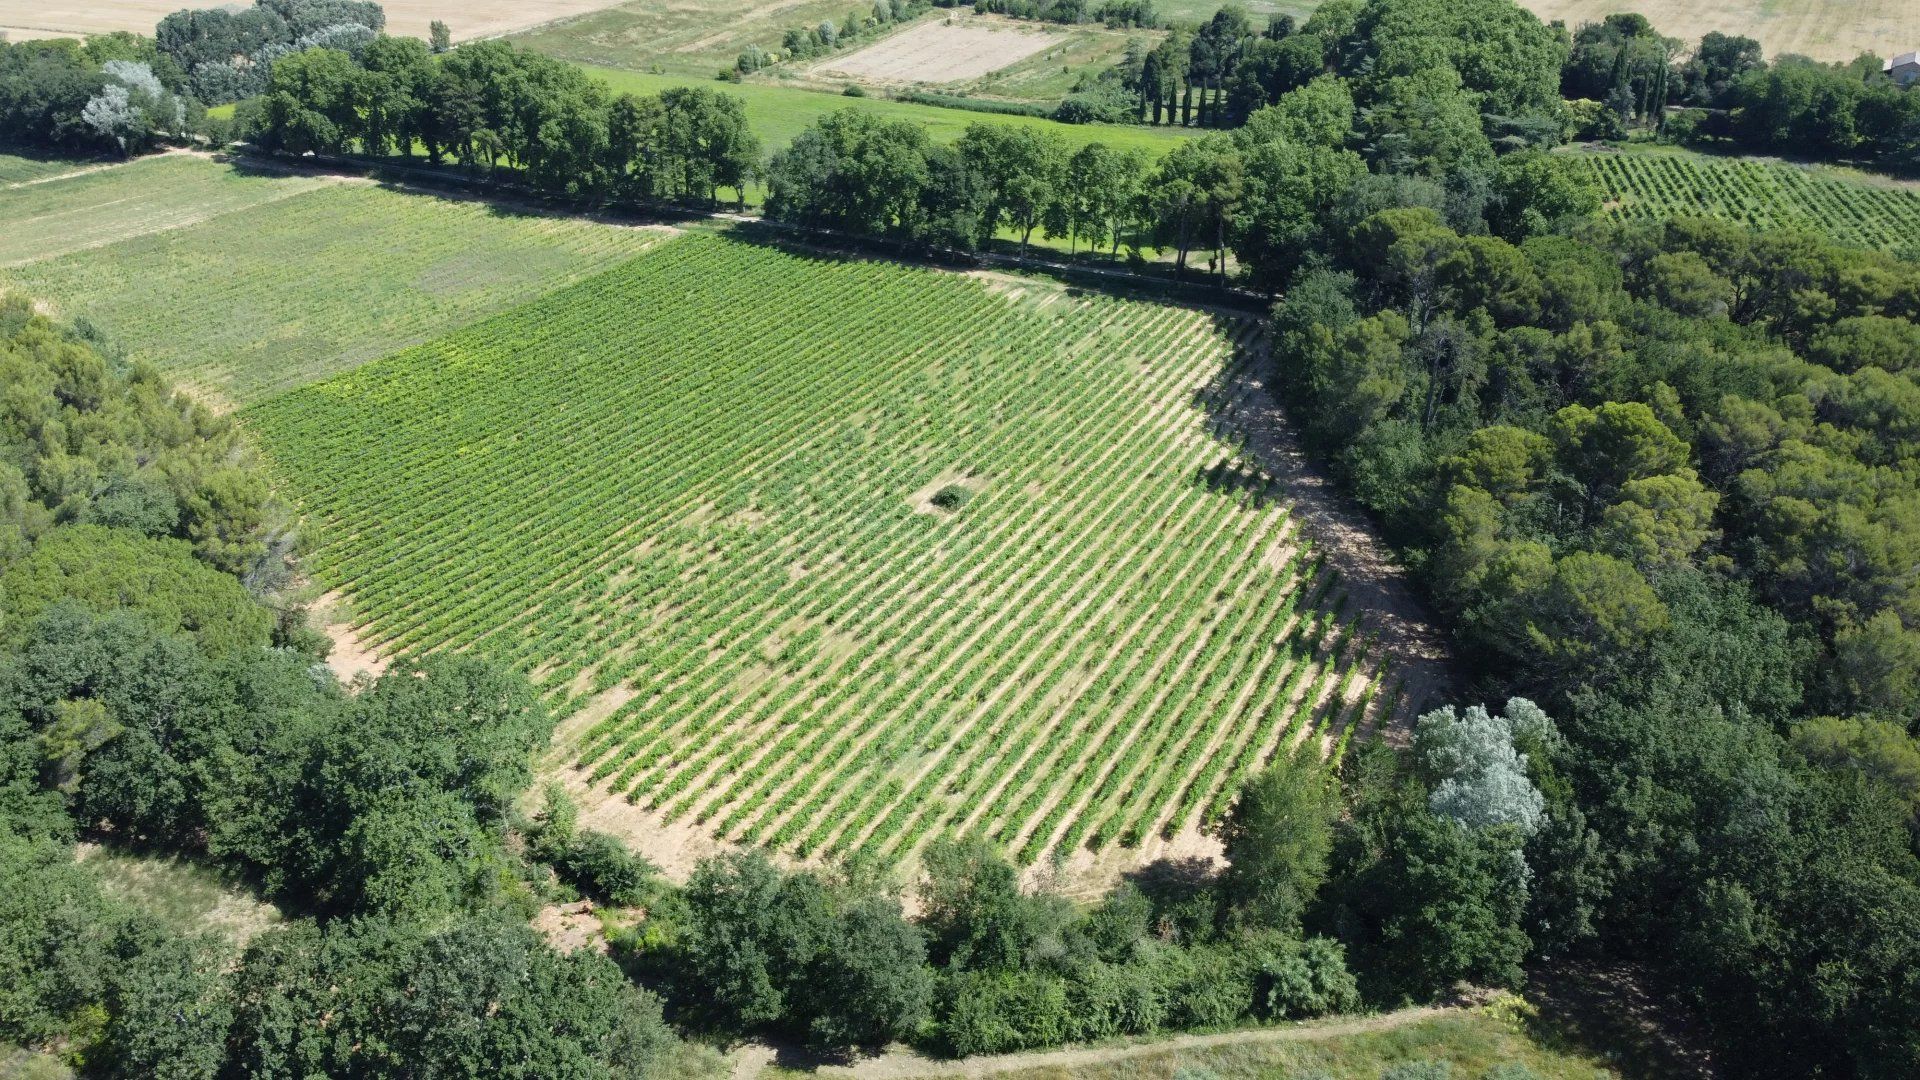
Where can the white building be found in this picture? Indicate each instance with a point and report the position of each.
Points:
(1905, 68)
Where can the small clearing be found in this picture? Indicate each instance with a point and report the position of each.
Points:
(940, 52)
(350, 658)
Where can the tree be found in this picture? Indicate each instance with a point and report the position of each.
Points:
(313, 102)
(1425, 124)
(852, 170)
(439, 38)
(1534, 191)
(1475, 769)
(1023, 168)
(105, 569)
(1195, 194)
(1277, 840)
(871, 984)
(171, 1011)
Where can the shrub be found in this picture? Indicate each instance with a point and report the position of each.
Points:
(993, 1013)
(952, 497)
(854, 90)
(602, 867)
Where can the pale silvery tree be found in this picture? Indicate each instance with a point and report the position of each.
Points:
(1478, 774)
(113, 113)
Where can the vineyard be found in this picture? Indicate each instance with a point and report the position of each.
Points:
(837, 555)
(244, 286)
(1765, 195)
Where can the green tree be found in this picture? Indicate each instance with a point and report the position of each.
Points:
(1277, 840)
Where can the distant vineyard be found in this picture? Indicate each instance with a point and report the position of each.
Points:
(836, 556)
(1764, 195)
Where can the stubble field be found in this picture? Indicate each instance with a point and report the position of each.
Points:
(472, 19)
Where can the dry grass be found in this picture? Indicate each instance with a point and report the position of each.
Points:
(23, 19)
(941, 52)
(1822, 29)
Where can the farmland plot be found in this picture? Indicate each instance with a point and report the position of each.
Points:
(941, 52)
(1764, 195)
(242, 300)
(836, 555)
(154, 194)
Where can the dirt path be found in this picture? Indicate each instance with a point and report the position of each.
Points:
(1377, 584)
(70, 174)
(749, 1060)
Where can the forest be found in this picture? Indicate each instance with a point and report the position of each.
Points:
(1659, 480)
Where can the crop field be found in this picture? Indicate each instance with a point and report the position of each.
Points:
(1822, 29)
(471, 19)
(942, 52)
(261, 283)
(146, 196)
(836, 555)
(1766, 195)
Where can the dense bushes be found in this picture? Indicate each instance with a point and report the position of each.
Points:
(1604, 454)
(141, 698)
(228, 54)
(114, 94)
(988, 967)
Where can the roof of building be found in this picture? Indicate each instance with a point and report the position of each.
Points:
(1904, 59)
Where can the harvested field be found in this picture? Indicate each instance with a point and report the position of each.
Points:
(941, 52)
(680, 37)
(182, 260)
(470, 19)
(1822, 29)
(684, 496)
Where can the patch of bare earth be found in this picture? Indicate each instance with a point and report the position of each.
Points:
(350, 657)
(1377, 584)
(571, 927)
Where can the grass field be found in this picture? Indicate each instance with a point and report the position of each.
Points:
(1848, 207)
(15, 169)
(835, 555)
(146, 196)
(1470, 1042)
(245, 300)
(778, 113)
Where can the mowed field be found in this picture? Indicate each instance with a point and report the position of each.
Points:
(1767, 195)
(838, 555)
(467, 19)
(242, 285)
(941, 52)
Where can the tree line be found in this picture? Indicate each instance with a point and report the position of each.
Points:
(1622, 74)
(1660, 479)
(489, 106)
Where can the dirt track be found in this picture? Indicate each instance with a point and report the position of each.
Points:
(904, 1064)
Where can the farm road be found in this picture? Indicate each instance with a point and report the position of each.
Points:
(750, 1060)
